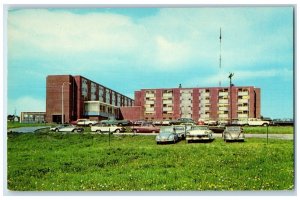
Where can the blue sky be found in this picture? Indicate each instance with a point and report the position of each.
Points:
(128, 49)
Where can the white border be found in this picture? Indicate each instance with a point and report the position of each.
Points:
(137, 3)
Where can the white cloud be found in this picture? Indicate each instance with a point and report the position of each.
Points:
(170, 40)
(26, 104)
(213, 80)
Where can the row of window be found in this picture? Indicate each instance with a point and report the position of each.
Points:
(104, 95)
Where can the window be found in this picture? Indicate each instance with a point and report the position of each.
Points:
(84, 88)
(101, 93)
(107, 96)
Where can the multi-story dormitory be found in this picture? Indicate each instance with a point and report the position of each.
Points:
(78, 97)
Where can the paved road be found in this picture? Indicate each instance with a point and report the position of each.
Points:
(217, 135)
(26, 129)
(272, 136)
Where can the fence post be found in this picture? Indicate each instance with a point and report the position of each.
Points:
(267, 134)
(109, 137)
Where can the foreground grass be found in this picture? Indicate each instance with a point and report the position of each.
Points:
(270, 129)
(85, 162)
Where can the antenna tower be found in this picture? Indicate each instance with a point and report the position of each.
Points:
(220, 59)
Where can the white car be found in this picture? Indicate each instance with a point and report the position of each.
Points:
(101, 128)
(181, 130)
(69, 128)
(85, 122)
(233, 133)
(200, 133)
(56, 128)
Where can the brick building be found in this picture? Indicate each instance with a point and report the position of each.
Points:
(78, 97)
(211, 103)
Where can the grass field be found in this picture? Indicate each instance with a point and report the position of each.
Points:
(86, 162)
(270, 129)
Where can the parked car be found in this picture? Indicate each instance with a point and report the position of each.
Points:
(56, 128)
(165, 123)
(113, 121)
(223, 123)
(157, 123)
(70, 128)
(211, 123)
(145, 127)
(200, 133)
(283, 122)
(233, 133)
(101, 128)
(167, 134)
(182, 121)
(207, 122)
(84, 122)
(139, 122)
(182, 129)
(217, 129)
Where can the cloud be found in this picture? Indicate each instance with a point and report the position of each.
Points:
(174, 39)
(127, 53)
(253, 76)
(26, 104)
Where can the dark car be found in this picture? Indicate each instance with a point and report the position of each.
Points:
(145, 128)
(283, 122)
(182, 121)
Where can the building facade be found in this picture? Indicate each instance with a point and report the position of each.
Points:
(33, 117)
(213, 103)
(75, 97)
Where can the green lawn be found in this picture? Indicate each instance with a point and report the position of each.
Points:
(86, 162)
(270, 129)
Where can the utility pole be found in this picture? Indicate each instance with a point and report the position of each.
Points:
(230, 90)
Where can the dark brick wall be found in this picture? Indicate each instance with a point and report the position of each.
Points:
(54, 96)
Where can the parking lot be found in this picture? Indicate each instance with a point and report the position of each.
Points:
(216, 135)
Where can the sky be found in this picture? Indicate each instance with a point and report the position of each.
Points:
(128, 49)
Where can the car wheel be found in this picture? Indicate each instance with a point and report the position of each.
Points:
(134, 131)
(153, 132)
(117, 131)
(98, 131)
(56, 130)
(265, 124)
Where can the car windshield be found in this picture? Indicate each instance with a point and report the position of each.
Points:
(165, 134)
(199, 128)
(179, 128)
(168, 129)
(233, 128)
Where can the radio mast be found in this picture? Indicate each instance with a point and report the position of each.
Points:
(220, 59)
